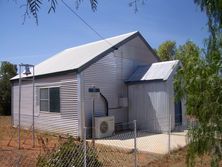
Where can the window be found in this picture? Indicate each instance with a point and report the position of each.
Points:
(50, 99)
(44, 99)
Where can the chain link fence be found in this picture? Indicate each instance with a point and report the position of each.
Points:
(128, 146)
(116, 150)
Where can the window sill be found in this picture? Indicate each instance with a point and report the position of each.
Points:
(52, 113)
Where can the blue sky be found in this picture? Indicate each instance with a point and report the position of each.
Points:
(157, 20)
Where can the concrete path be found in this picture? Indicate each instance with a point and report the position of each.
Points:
(147, 142)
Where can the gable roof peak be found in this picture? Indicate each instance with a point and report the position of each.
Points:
(80, 57)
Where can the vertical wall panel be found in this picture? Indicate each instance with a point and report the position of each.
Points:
(148, 104)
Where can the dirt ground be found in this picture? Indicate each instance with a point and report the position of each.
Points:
(11, 156)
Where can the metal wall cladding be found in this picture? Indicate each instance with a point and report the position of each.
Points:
(149, 105)
(152, 103)
(171, 96)
(26, 99)
(109, 74)
(65, 122)
(172, 100)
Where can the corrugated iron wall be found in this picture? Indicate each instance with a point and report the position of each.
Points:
(149, 105)
(109, 74)
(65, 122)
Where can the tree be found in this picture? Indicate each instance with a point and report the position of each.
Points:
(200, 83)
(167, 51)
(7, 71)
(189, 55)
(213, 10)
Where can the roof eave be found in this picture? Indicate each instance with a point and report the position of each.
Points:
(46, 75)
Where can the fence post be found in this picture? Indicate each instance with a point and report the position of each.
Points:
(33, 107)
(19, 110)
(135, 147)
(84, 143)
(169, 133)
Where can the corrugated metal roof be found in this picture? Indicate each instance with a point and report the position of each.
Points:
(156, 71)
(76, 57)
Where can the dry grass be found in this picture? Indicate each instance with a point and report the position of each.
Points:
(178, 159)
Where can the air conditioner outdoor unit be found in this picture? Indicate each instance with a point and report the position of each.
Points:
(104, 126)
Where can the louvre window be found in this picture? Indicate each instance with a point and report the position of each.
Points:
(50, 99)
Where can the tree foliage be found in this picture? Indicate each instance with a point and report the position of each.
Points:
(7, 71)
(201, 86)
(33, 6)
(213, 9)
(167, 51)
(200, 83)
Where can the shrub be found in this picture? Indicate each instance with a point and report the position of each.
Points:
(69, 154)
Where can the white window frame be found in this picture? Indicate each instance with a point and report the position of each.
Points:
(48, 88)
